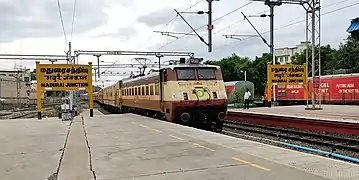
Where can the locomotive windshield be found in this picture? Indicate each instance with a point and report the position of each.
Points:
(206, 74)
(186, 74)
(196, 73)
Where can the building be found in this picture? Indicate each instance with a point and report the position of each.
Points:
(354, 28)
(14, 86)
(284, 55)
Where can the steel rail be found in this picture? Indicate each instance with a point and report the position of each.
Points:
(302, 123)
(333, 142)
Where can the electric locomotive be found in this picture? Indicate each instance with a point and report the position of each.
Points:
(185, 92)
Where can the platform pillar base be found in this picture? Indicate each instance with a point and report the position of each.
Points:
(91, 112)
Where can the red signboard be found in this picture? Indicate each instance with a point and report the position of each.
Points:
(332, 88)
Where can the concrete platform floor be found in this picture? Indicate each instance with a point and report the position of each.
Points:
(31, 149)
(344, 113)
(127, 146)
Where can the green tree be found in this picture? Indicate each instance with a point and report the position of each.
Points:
(328, 56)
(348, 54)
(233, 68)
(258, 72)
(346, 57)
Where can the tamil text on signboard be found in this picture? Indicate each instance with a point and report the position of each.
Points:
(286, 74)
(63, 76)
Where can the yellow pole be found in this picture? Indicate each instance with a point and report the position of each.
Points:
(305, 82)
(269, 83)
(89, 90)
(38, 91)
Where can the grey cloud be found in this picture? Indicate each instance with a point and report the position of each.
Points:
(163, 16)
(124, 33)
(40, 18)
(157, 18)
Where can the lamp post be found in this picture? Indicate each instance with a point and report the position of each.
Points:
(159, 60)
(98, 64)
(245, 75)
(95, 74)
(53, 60)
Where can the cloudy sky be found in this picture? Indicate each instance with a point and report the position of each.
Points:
(34, 27)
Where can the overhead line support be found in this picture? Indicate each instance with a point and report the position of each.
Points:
(312, 8)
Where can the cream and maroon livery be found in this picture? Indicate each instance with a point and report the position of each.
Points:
(191, 94)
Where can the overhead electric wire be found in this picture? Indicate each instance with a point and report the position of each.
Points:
(148, 40)
(183, 11)
(206, 24)
(303, 20)
(240, 21)
(220, 30)
(73, 19)
(62, 20)
(294, 23)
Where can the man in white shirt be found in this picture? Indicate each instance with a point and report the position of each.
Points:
(247, 95)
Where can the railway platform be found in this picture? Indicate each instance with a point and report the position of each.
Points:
(128, 146)
(340, 113)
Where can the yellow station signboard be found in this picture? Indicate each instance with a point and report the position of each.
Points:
(287, 74)
(63, 77)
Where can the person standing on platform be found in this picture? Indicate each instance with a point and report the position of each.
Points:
(247, 95)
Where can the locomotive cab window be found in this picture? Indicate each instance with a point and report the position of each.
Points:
(185, 74)
(206, 73)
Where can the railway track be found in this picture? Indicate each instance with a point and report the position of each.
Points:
(302, 123)
(24, 115)
(331, 142)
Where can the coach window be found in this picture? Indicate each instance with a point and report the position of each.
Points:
(185, 74)
(206, 74)
(156, 89)
(143, 90)
(147, 90)
(133, 91)
(151, 89)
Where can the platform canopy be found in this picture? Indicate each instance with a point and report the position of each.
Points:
(354, 26)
